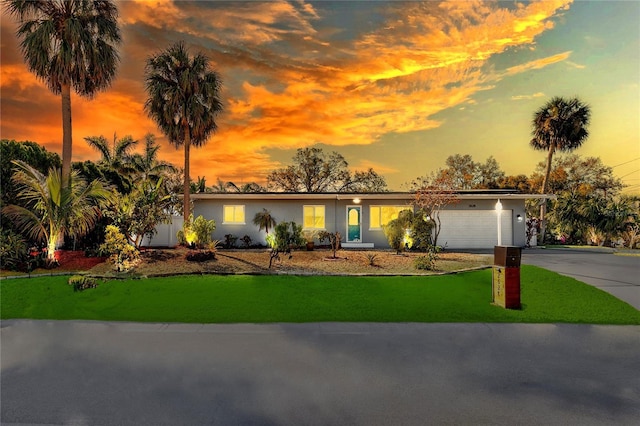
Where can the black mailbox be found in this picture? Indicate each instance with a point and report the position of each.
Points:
(507, 256)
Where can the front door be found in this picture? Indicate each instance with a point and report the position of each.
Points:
(354, 229)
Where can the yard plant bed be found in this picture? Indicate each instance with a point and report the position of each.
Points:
(546, 297)
(300, 262)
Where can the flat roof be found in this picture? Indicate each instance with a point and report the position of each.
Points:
(463, 195)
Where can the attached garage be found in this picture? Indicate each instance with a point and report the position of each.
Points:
(474, 229)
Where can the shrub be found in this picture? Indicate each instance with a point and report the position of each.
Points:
(201, 255)
(334, 240)
(13, 251)
(230, 241)
(203, 229)
(288, 235)
(80, 282)
(428, 261)
(246, 240)
(396, 234)
(123, 255)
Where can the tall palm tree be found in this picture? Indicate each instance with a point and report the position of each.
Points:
(51, 210)
(184, 101)
(116, 159)
(69, 44)
(559, 125)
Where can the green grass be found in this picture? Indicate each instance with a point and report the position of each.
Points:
(546, 297)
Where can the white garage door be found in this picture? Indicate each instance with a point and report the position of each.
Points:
(474, 228)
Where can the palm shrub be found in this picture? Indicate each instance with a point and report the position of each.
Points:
(52, 211)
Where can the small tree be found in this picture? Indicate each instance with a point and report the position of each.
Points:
(432, 197)
(287, 236)
(334, 240)
(398, 231)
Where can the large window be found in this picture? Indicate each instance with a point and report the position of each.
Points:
(313, 217)
(233, 215)
(381, 215)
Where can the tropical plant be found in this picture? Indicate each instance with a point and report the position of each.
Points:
(116, 159)
(123, 255)
(559, 125)
(52, 211)
(264, 220)
(147, 165)
(13, 250)
(184, 101)
(139, 212)
(69, 44)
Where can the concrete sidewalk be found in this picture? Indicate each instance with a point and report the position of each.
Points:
(93, 373)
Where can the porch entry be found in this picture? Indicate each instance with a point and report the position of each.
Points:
(354, 224)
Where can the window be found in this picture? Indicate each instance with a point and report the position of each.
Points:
(381, 215)
(313, 217)
(233, 214)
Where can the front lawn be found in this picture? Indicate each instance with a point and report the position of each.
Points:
(546, 297)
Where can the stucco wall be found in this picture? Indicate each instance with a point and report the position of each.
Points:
(335, 215)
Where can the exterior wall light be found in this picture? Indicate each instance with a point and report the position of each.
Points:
(519, 218)
(356, 200)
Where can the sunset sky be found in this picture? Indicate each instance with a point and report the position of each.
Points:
(397, 86)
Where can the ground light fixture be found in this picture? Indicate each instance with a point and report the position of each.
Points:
(499, 215)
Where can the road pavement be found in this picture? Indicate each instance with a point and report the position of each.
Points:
(616, 274)
(92, 373)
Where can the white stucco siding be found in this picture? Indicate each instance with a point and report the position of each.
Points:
(472, 229)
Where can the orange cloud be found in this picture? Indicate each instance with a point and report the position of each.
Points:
(290, 78)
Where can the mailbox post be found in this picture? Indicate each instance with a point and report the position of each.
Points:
(506, 276)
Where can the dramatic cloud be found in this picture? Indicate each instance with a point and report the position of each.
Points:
(292, 76)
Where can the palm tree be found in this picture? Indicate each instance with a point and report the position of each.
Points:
(69, 44)
(184, 101)
(264, 220)
(559, 125)
(52, 210)
(116, 159)
(147, 163)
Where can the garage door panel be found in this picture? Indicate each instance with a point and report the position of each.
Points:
(474, 228)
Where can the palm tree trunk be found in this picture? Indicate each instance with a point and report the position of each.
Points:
(187, 179)
(545, 184)
(66, 134)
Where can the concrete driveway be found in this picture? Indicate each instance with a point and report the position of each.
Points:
(616, 274)
(90, 373)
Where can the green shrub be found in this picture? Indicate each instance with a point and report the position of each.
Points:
(428, 261)
(230, 241)
(80, 282)
(203, 229)
(196, 232)
(13, 251)
(123, 255)
(288, 236)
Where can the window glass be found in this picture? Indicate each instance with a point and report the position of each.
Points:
(233, 214)
(381, 215)
(313, 217)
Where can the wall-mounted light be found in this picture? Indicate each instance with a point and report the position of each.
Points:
(356, 200)
(519, 218)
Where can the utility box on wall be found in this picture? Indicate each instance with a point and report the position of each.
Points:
(506, 276)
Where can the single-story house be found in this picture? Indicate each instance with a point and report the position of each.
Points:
(471, 223)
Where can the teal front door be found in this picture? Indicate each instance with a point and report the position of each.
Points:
(354, 219)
